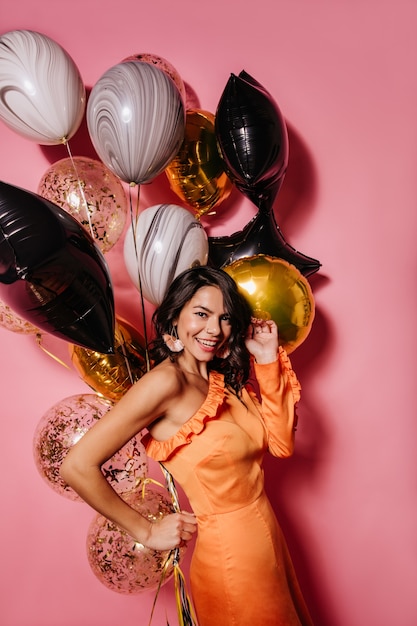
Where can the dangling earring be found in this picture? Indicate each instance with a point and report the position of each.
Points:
(172, 341)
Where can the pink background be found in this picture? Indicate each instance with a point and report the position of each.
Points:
(344, 75)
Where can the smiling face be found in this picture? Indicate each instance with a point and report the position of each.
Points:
(203, 324)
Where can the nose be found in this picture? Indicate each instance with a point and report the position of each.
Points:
(213, 327)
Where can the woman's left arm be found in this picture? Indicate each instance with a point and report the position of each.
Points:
(278, 385)
(280, 391)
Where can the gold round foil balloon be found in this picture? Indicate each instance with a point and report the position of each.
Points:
(197, 173)
(276, 290)
(111, 375)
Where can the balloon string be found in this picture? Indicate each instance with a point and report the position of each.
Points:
(170, 485)
(185, 609)
(134, 220)
(122, 341)
(161, 582)
(142, 482)
(80, 187)
(39, 342)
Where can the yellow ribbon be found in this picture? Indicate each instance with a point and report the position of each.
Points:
(185, 611)
(146, 481)
(39, 342)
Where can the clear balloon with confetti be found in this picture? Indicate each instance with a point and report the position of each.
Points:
(63, 425)
(86, 189)
(123, 564)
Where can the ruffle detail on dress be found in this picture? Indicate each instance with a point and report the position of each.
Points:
(162, 450)
(292, 378)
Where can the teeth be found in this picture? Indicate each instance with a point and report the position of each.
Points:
(207, 342)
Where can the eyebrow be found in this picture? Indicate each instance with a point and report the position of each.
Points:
(207, 310)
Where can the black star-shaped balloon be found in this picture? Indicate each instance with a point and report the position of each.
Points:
(253, 140)
(260, 236)
(51, 271)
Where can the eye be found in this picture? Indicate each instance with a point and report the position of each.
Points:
(225, 318)
(201, 313)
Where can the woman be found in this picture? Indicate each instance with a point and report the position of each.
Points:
(210, 431)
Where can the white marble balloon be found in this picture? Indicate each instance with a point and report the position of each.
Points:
(162, 64)
(42, 95)
(136, 120)
(169, 240)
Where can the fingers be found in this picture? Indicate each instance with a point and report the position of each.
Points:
(188, 523)
(171, 531)
(262, 340)
(262, 326)
(187, 526)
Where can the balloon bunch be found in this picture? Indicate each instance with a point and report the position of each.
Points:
(140, 126)
(119, 562)
(54, 277)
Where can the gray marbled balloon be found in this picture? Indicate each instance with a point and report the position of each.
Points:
(136, 120)
(42, 96)
(169, 240)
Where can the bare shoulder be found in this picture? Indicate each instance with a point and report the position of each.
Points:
(157, 388)
(165, 375)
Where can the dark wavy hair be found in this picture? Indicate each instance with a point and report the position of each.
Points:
(236, 365)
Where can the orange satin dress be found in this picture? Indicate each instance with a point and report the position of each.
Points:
(241, 573)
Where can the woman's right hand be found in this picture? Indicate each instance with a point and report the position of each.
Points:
(171, 531)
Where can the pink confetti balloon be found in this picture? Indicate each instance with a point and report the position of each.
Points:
(121, 563)
(13, 322)
(91, 193)
(59, 430)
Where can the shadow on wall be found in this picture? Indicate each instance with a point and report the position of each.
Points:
(297, 196)
(293, 206)
(303, 472)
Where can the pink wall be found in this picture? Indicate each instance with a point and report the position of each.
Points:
(344, 75)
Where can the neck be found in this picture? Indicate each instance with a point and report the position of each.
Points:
(195, 368)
